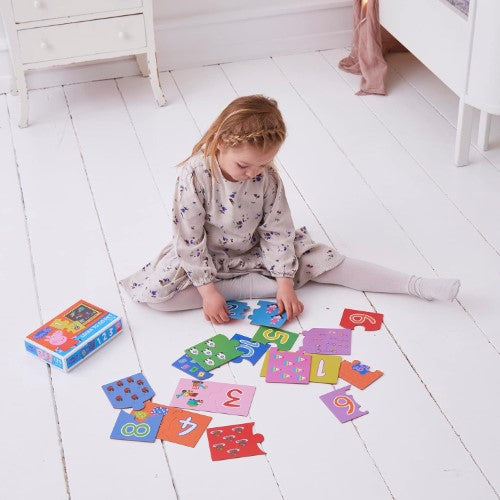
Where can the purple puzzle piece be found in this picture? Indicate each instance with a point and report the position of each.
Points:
(288, 367)
(327, 341)
(129, 392)
(342, 405)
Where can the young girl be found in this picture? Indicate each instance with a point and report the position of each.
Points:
(233, 233)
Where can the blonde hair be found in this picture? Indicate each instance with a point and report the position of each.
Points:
(254, 120)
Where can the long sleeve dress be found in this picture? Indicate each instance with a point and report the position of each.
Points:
(224, 229)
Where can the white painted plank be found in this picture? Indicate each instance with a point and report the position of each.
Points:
(71, 262)
(28, 379)
(137, 224)
(352, 207)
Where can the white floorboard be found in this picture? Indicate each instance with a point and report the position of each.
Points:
(85, 196)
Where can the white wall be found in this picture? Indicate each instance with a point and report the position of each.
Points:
(198, 32)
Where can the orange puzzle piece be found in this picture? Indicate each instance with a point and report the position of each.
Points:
(357, 374)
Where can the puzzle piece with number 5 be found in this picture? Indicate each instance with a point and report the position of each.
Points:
(129, 429)
(234, 441)
(251, 351)
(267, 314)
(288, 367)
(358, 374)
(237, 309)
(216, 397)
(342, 405)
(214, 352)
(283, 339)
(187, 365)
(129, 392)
(177, 426)
(371, 321)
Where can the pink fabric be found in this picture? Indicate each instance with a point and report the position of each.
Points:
(366, 57)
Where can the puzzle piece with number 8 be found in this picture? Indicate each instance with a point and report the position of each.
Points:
(214, 352)
(129, 429)
(267, 314)
(234, 441)
(129, 392)
(371, 321)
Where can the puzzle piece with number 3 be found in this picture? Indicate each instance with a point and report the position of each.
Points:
(358, 374)
(342, 405)
(217, 397)
(267, 314)
(371, 321)
(234, 441)
(129, 392)
(214, 352)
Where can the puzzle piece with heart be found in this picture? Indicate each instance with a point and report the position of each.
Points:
(177, 426)
(237, 309)
(266, 314)
(342, 405)
(214, 352)
(187, 365)
(358, 374)
(325, 368)
(283, 339)
(327, 341)
(234, 441)
(288, 367)
(129, 392)
(371, 321)
(251, 351)
(129, 429)
(231, 399)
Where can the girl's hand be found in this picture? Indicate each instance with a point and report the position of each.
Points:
(287, 298)
(214, 304)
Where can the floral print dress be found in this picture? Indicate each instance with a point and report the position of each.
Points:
(225, 229)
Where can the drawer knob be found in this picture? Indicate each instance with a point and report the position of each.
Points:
(122, 35)
(37, 4)
(43, 45)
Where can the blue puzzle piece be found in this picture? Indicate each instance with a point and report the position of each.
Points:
(129, 429)
(267, 314)
(129, 392)
(237, 309)
(252, 351)
(191, 367)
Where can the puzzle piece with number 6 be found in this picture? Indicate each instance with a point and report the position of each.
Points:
(129, 392)
(267, 314)
(358, 374)
(237, 309)
(187, 365)
(288, 367)
(283, 339)
(234, 441)
(371, 321)
(217, 397)
(129, 429)
(342, 405)
(214, 352)
(251, 351)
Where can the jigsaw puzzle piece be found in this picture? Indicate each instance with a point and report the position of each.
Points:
(187, 365)
(358, 374)
(214, 352)
(234, 441)
(327, 341)
(266, 314)
(129, 392)
(128, 428)
(237, 309)
(288, 367)
(251, 351)
(283, 339)
(371, 321)
(325, 368)
(342, 405)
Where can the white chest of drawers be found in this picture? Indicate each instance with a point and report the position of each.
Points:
(45, 33)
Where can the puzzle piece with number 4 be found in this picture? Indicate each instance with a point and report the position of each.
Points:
(234, 441)
(342, 405)
(358, 374)
(267, 314)
(237, 309)
(371, 321)
(129, 392)
(214, 352)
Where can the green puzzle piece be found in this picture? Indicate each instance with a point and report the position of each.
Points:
(283, 339)
(214, 352)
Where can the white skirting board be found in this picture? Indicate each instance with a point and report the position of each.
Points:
(215, 38)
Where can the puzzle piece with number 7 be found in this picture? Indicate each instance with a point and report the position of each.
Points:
(214, 352)
(234, 441)
(267, 314)
(371, 321)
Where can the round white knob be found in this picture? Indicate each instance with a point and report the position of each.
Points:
(43, 45)
(121, 34)
(37, 4)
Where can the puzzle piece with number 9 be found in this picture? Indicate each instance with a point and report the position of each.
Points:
(342, 405)
(371, 321)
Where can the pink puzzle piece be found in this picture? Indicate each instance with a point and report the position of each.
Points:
(327, 341)
(371, 321)
(288, 367)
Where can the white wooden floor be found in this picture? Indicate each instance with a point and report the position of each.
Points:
(85, 197)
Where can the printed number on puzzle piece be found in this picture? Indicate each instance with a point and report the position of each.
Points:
(342, 405)
(327, 341)
(267, 314)
(325, 368)
(283, 339)
(251, 351)
(288, 367)
(214, 352)
(358, 374)
(187, 365)
(128, 428)
(371, 321)
(234, 441)
(129, 392)
(237, 309)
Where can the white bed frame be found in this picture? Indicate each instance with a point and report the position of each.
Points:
(463, 51)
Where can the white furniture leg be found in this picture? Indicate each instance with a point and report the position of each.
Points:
(483, 134)
(464, 133)
(22, 90)
(155, 79)
(142, 62)
(13, 86)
